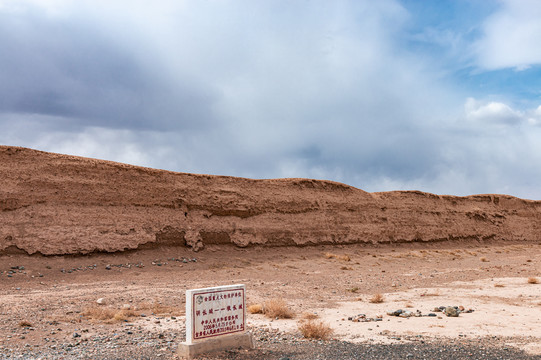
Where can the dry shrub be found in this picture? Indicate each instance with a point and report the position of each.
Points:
(315, 330)
(309, 316)
(353, 289)
(533, 280)
(109, 315)
(124, 315)
(339, 257)
(25, 323)
(255, 309)
(483, 259)
(499, 285)
(377, 299)
(100, 313)
(277, 308)
(159, 309)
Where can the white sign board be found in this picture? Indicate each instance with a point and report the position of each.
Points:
(215, 311)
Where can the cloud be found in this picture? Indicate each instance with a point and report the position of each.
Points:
(494, 112)
(64, 67)
(257, 89)
(511, 37)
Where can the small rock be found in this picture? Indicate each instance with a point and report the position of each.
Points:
(450, 311)
(101, 301)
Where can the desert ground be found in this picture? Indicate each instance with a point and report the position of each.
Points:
(49, 304)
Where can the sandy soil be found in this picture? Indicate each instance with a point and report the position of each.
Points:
(47, 303)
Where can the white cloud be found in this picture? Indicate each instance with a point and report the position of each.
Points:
(511, 36)
(494, 112)
(534, 117)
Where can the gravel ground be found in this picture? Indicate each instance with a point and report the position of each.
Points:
(273, 345)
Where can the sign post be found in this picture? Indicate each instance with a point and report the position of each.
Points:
(215, 320)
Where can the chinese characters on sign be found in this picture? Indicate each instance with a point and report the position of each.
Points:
(215, 311)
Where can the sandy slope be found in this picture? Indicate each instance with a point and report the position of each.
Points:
(57, 204)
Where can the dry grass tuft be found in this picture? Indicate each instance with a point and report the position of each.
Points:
(100, 314)
(277, 308)
(157, 308)
(483, 259)
(255, 309)
(339, 257)
(309, 316)
(25, 323)
(315, 330)
(377, 299)
(124, 315)
(353, 289)
(533, 280)
(499, 285)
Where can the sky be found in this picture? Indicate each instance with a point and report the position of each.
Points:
(438, 96)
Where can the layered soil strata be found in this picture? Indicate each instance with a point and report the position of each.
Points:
(56, 204)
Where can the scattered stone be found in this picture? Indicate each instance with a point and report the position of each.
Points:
(101, 301)
(363, 318)
(404, 313)
(450, 311)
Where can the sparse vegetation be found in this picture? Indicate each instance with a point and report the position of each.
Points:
(309, 316)
(315, 330)
(533, 280)
(353, 289)
(100, 314)
(377, 299)
(124, 315)
(483, 259)
(159, 309)
(277, 308)
(111, 315)
(339, 257)
(499, 285)
(255, 309)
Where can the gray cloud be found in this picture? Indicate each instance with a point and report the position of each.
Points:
(256, 89)
(62, 68)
